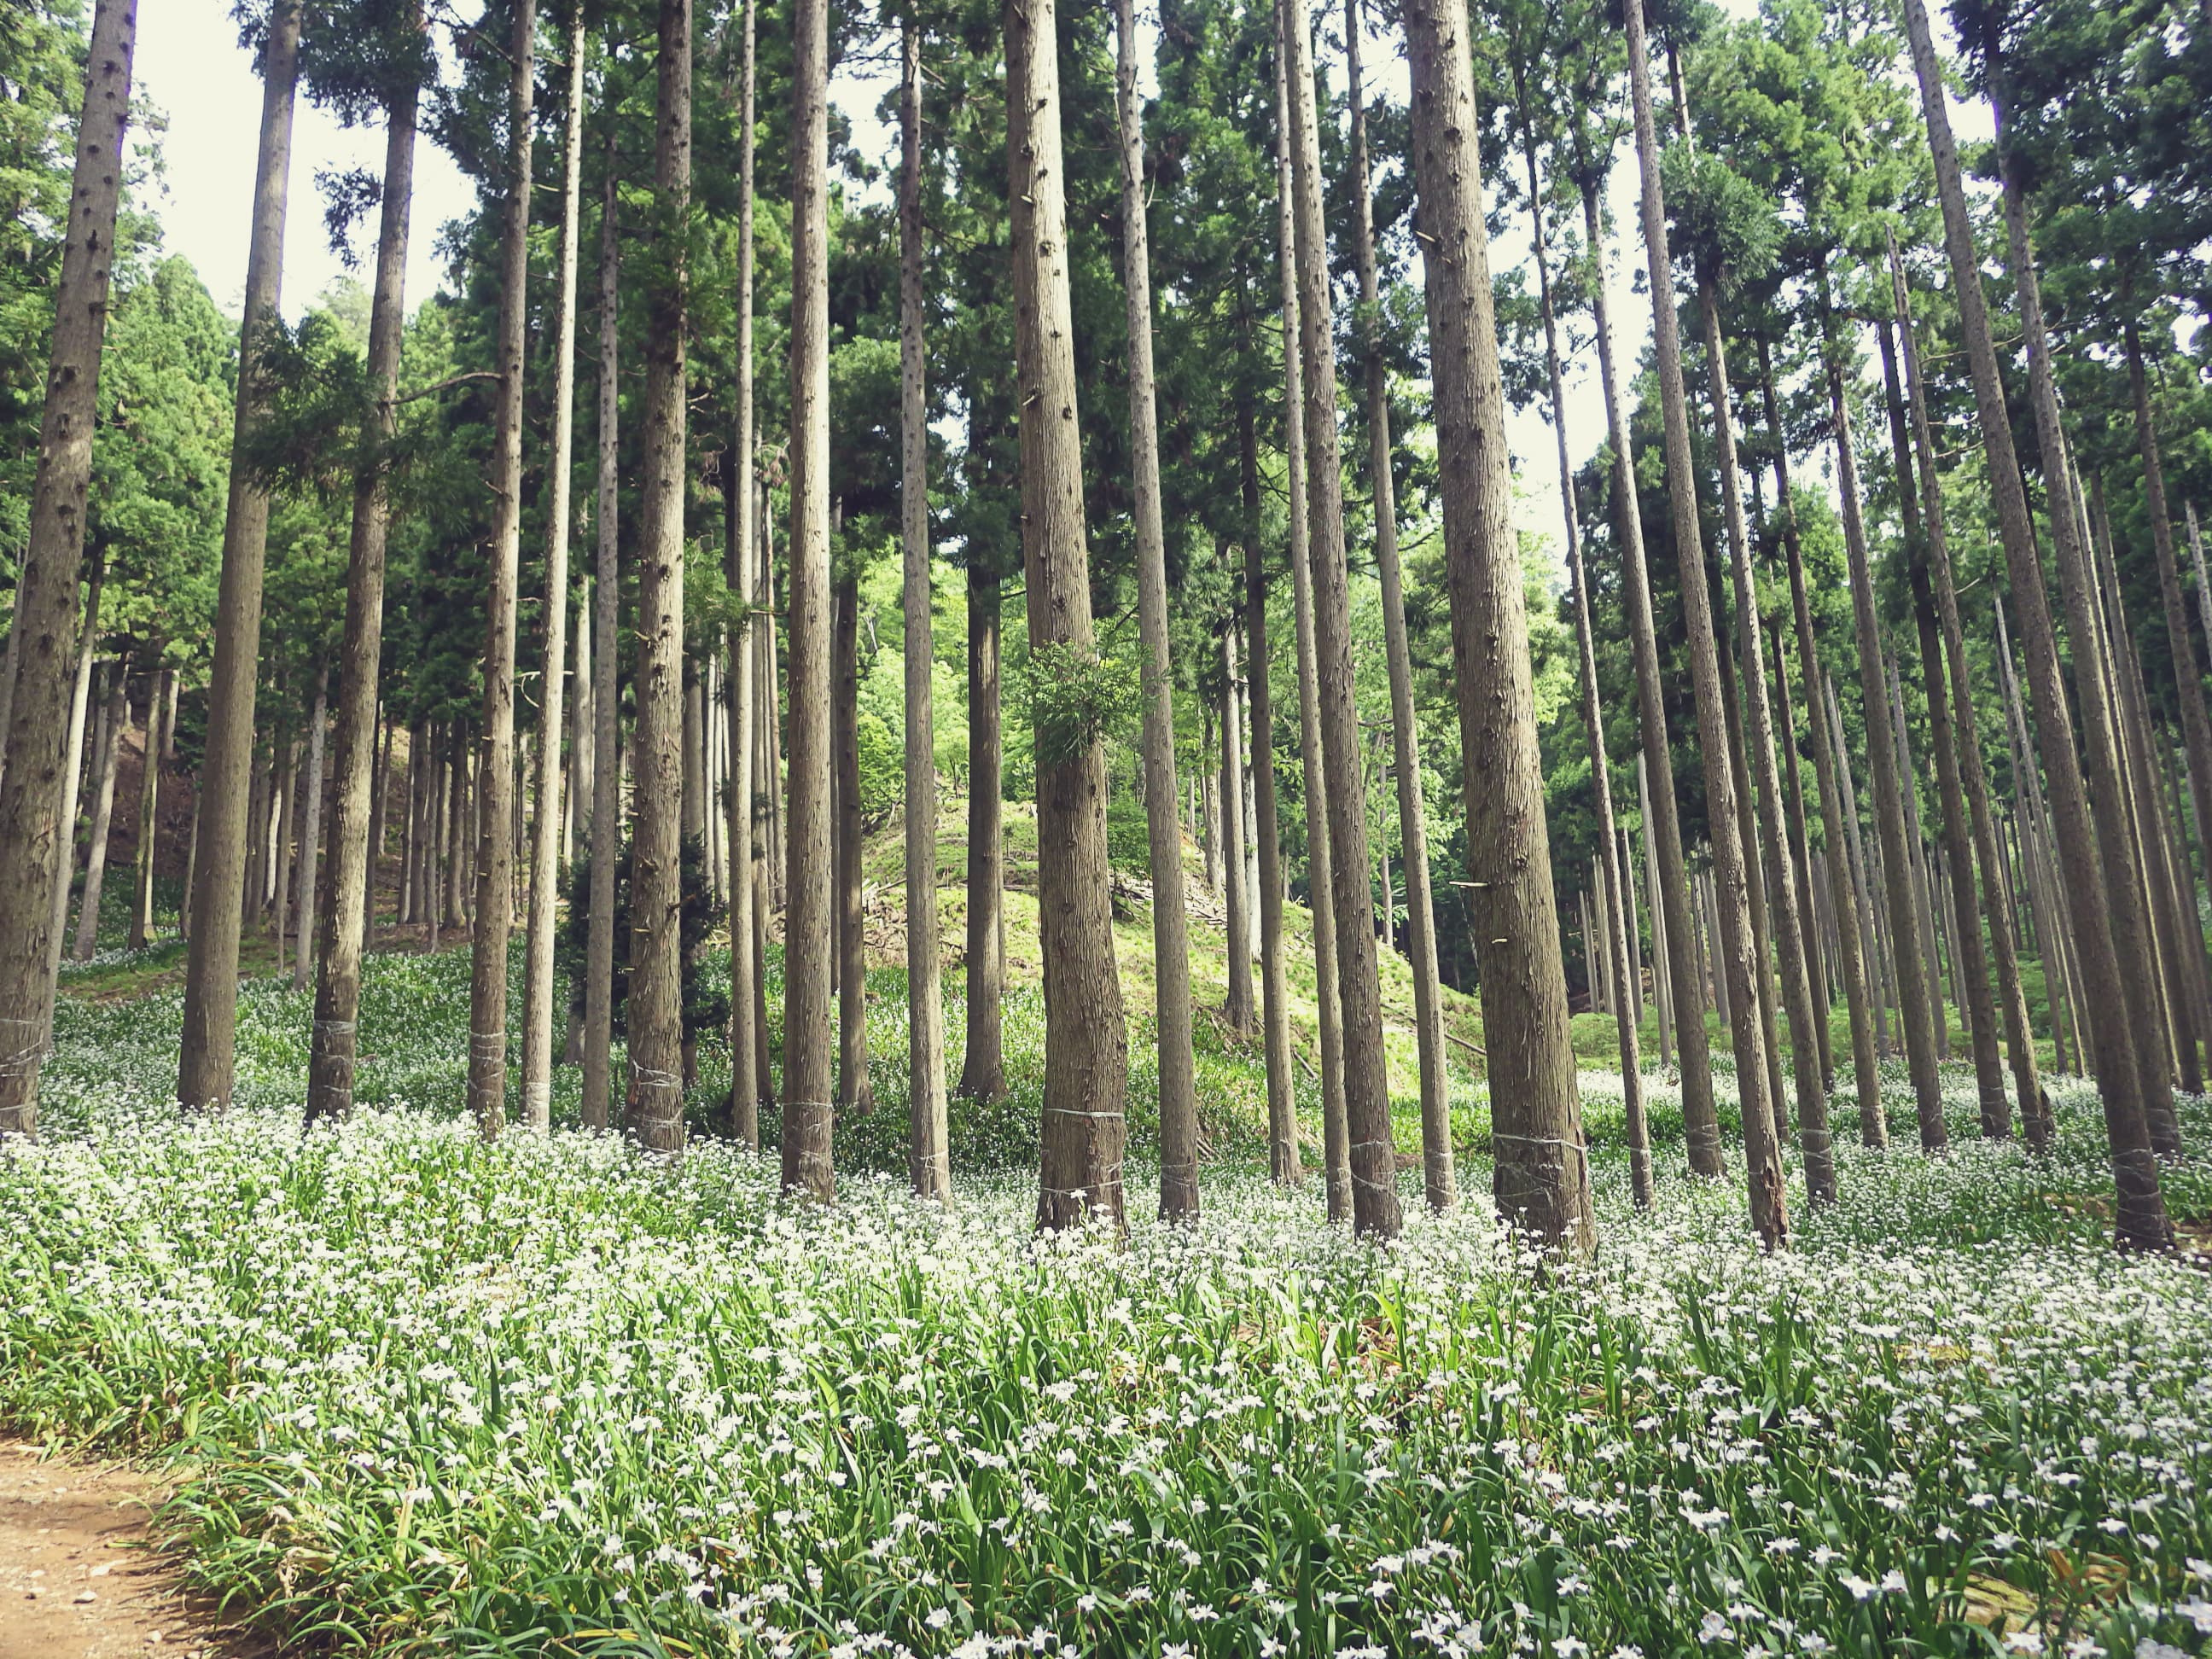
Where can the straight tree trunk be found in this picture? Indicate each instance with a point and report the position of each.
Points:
(287, 797)
(349, 906)
(410, 818)
(1375, 1210)
(149, 788)
(747, 1032)
(1336, 1140)
(1801, 860)
(1239, 1010)
(545, 848)
(2140, 1221)
(380, 791)
(495, 787)
(2167, 915)
(1170, 924)
(1086, 1051)
(1786, 926)
(108, 745)
(2196, 726)
(1735, 945)
(1662, 819)
(310, 828)
(855, 1095)
(205, 1072)
(606, 776)
(1926, 930)
(2019, 1044)
(1914, 993)
(1283, 1158)
(2104, 773)
(810, 923)
(928, 1157)
(1439, 1181)
(655, 1006)
(982, 1071)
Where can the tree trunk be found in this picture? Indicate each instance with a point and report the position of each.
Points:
(855, 1095)
(928, 1157)
(1238, 964)
(2012, 1002)
(606, 777)
(1914, 993)
(311, 828)
(1786, 926)
(205, 1072)
(1336, 1141)
(494, 789)
(380, 791)
(2134, 978)
(287, 797)
(108, 748)
(1170, 924)
(1086, 1047)
(982, 1073)
(1375, 1208)
(1662, 819)
(149, 788)
(1763, 1171)
(2196, 726)
(810, 923)
(2163, 903)
(545, 848)
(2140, 1221)
(655, 1006)
(1438, 1178)
(1283, 1159)
(747, 1032)
(347, 907)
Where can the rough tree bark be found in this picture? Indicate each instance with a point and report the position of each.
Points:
(605, 844)
(494, 870)
(545, 845)
(205, 1071)
(1375, 1209)
(343, 916)
(982, 1070)
(1238, 1012)
(1336, 1141)
(311, 826)
(1283, 1159)
(1086, 1052)
(928, 1159)
(655, 1005)
(809, 922)
(34, 830)
(1439, 1180)
(747, 1032)
(855, 1094)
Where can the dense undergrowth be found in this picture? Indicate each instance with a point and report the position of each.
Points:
(548, 1396)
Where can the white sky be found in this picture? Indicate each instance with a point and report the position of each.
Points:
(190, 67)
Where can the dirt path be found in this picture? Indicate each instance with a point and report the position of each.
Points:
(76, 1582)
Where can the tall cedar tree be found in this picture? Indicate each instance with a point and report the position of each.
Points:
(656, 993)
(1734, 945)
(205, 1072)
(1086, 1045)
(30, 825)
(494, 789)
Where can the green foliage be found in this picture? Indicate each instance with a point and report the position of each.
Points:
(1074, 698)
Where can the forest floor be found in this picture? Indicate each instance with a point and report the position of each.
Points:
(410, 1392)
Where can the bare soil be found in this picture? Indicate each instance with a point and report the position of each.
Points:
(79, 1576)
